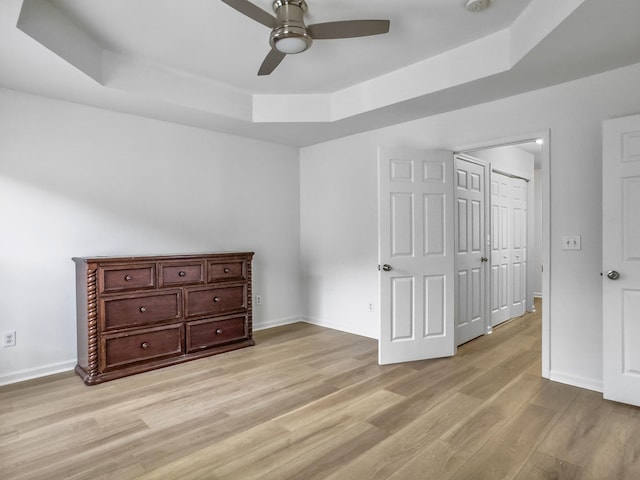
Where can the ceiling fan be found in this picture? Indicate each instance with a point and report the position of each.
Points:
(289, 34)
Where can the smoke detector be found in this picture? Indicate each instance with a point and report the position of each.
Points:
(477, 5)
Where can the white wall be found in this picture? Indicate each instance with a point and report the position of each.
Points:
(508, 159)
(338, 184)
(338, 190)
(79, 181)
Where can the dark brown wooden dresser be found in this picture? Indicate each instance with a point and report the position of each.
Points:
(141, 313)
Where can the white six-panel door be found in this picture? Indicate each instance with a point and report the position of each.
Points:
(500, 249)
(519, 246)
(470, 249)
(621, 259)
(508, 247)
(416, 258)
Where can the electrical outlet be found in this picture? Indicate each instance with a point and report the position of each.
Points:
(9, 339)
(258, 299)
(571, 242)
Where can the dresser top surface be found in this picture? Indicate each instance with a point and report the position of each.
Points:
(163, 257)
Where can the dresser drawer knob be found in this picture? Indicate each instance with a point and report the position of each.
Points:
(218, 331)
(144, 345)
(142, 309)
(128, 278)
(226, 270)
(181, 274)
(216, 299)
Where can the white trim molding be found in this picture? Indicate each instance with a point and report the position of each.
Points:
(43, 371)
(581, 382)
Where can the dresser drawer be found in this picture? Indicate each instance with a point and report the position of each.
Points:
(181, 273)
(209, 333)
(140, 310)
(200, 301)
(119, 278)
(227, 271)
(152, 344)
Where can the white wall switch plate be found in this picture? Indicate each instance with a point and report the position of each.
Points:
(571, 242)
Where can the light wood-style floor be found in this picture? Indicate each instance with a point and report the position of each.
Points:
(312, 403)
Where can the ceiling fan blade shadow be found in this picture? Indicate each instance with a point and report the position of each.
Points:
(253, 11)
(271, 61)
(348, 29)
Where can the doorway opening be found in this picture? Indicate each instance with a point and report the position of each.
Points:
(417, 280)
(517, 226)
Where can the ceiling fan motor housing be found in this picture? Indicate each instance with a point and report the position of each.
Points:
(290, 14)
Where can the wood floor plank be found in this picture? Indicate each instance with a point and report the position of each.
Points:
(309, 450)
(617, 451)
(369, 394)
(433, 383)
(576, 433)
(325, 462)
(546, 467)
(443, 458)
(390, 455)
(360, 408)
(205, 462)
(475, 430)
(555, 396)
(428, 396)
(504, 455)
(437, 460)
(485, 385)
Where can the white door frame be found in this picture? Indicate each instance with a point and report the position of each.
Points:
(545, 135)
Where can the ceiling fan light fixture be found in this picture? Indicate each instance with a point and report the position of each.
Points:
(290, 39)
(291, 45)
(477, 5)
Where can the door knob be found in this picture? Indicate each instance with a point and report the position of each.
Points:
(613, 275)
(386, 267)
(484, 259)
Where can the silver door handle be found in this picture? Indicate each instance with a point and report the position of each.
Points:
(613, 275)
(386, 267)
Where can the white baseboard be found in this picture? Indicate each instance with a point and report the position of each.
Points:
(276, 323)
(336, 326)
(537, 295)
(310, 320)
(587, 383)
(31, 373)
